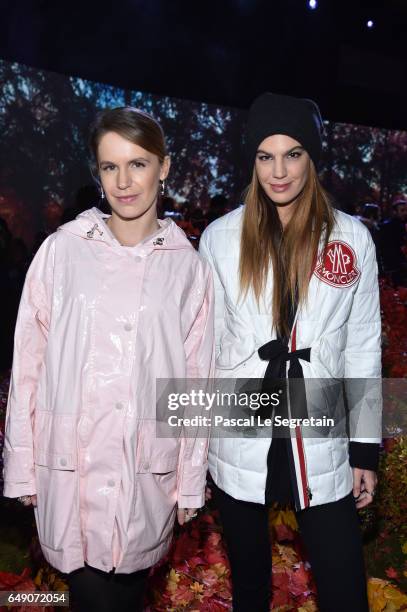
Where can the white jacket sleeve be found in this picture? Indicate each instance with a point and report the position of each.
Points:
(200, 357)
(204, 250)
(30, 342)
(363, 359)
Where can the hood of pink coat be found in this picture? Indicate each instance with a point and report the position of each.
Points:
(91, 225)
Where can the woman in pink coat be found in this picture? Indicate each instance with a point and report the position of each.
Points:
(110, 304)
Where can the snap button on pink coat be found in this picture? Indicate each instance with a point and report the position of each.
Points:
(97, 324)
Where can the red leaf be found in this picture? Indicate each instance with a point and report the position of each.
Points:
(185, 548)
(392, 573)
(215, 557)
(280, 580)
(193, 562)
(283, 533)
(13, 581)
(280, 598)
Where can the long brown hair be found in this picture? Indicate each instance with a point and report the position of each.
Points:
(292, 251)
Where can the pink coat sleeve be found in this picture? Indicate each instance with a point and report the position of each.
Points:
(200, 354)
(30, 340)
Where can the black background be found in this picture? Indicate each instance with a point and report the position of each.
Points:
(225, 52)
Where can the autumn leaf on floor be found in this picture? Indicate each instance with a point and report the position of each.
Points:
(17, 582)
(280, 580)
(214, 606)
(384, 597)
(210, 577)
(286, 554)
(185, 547)
(280, 598)
(193, 562)
(183, 595)
(284, 533)
(392, 573)
(31, 608)
(173, 580)
(308, 606)
(213, 550)
(49, 579)
(283, 517)
(299, 581)
(197, 588)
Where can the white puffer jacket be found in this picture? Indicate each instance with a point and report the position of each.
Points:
(340, 323)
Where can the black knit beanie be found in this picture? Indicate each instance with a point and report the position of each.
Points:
(275, 114)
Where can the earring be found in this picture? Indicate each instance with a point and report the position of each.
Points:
(102, 193)
(162, 190)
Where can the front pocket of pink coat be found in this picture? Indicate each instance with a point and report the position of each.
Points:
(156, 454)
(55, 459)
(158, 463)
(55, 440)
(57, 510)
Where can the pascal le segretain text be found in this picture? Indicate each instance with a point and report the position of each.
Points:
(251, 421)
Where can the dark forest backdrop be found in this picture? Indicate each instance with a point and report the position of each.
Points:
(44, 120)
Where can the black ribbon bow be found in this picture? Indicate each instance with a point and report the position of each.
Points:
(277, 354)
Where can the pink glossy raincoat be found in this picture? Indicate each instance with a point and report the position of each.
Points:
(97, 324)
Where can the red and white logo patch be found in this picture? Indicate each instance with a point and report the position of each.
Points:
(337, 266)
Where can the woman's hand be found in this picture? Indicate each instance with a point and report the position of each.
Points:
(186, 514)
(28, 500)
(364, 486)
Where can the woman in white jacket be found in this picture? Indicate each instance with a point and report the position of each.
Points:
(296, 296)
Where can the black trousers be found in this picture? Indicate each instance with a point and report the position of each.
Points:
(92, 590)
(331, 535)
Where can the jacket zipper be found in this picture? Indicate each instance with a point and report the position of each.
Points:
(301, 451)
(308, 488)
(302, 456)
